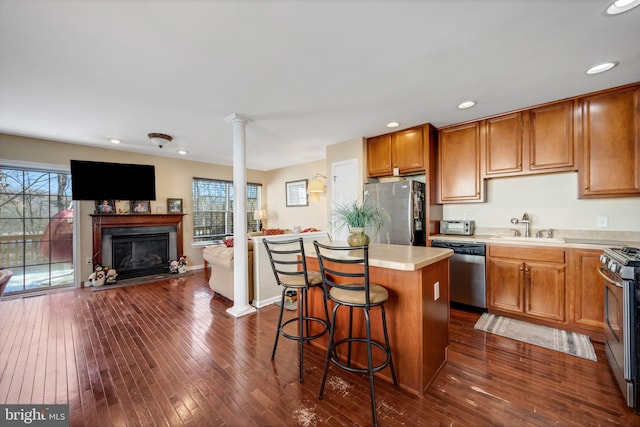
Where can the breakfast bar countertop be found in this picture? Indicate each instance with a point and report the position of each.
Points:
(394, 257)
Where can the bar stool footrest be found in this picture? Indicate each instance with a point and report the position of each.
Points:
(324, 324)
(342, 365)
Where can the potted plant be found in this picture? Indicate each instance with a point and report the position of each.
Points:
(358, 216)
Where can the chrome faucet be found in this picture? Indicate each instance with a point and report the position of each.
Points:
(526, 221)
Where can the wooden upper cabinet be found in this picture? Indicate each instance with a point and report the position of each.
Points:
(503, 144)
(610, 144)
(408, 150)
(379, 155)
(551, 141)
(533, 141)
(459, 177)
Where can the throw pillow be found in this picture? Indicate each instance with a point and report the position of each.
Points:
(272, 231)
(228, 243)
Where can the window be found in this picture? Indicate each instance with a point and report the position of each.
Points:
(213, 208)
(36, 228)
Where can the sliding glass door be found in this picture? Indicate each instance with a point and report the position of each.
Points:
(36, 228)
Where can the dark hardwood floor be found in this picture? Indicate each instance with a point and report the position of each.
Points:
(167, 353)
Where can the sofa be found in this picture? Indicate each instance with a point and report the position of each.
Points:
(220, 259)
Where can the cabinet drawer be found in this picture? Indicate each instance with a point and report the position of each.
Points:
(528, 254)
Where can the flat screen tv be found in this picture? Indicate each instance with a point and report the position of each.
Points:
(120, 181)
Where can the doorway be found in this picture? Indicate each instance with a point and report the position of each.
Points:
(345, 188)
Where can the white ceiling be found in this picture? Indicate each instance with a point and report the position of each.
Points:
(308, 73)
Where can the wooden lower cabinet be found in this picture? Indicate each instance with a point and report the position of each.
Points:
(527, 282)
(587, 293)
(556, 287)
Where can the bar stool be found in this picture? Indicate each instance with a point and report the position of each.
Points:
(350, 287)
(289, 267)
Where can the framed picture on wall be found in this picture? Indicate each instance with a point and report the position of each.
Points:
(105, 207)
(174, 205)
(296, 192)
(123, 206)
(140, 206)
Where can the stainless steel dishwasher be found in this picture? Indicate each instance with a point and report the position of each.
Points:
(466, 272)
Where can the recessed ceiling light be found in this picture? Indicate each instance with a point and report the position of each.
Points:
(601, 68)
(182, 152)
(114, 141)
(620, 6)
(466, 104)
(393, 124)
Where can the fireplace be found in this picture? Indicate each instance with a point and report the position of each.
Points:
(137, 245)
(139, 251)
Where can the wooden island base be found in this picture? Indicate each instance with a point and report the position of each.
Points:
(418, 323)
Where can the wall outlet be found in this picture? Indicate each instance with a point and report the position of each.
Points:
(602, 222)
(88, 260)
(436, 291)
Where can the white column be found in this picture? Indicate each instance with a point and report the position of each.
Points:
(241, 305)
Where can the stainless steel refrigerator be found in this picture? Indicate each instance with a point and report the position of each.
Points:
(404, 201)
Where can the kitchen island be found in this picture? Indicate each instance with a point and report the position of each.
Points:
(417, 279)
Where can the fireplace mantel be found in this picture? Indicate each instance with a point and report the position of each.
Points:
(132, 220)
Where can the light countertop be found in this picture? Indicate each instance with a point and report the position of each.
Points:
(394, 257)
(585, 241)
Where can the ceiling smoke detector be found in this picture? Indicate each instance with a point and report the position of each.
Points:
(160, 139)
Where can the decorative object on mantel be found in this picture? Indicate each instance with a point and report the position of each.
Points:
(105, 207)
(101, 275)
(160, 139)
(357, 216)
(140, 206)
(123, 206)
(174, 205)
(543, 336)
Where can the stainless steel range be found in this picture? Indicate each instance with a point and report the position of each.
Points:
(620, 270)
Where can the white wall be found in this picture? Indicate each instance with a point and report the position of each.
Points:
(551, 200)
(281, 216)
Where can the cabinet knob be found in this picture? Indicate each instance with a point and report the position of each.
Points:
(586, 187)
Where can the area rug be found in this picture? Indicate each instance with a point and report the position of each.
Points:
(555, 339)
(139, 281)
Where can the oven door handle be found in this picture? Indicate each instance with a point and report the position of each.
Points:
(606, 276)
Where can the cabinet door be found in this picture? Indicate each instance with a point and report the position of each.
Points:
(588, 292)
(504, 285)
(379, 155)
(459, 164)
(407, 150)
(544, 285)
(503, 144)
(551, 138)
(610, 145)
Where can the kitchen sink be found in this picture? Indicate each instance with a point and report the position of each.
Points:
(529, 239)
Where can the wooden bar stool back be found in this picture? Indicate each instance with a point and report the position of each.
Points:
(289, 267)
(345, 270)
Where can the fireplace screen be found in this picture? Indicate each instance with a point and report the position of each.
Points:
(140, 254)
